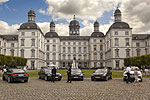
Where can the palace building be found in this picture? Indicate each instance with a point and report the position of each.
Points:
(97, 50)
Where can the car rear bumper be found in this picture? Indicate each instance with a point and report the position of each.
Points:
(19, 78)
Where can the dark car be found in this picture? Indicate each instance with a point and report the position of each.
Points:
(14, 74)
(101, 74)
(76, 74)
(45, 73)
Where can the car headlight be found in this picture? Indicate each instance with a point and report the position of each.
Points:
(104, 74)
(81, 74)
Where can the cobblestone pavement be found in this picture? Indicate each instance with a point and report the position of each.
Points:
(37, 89)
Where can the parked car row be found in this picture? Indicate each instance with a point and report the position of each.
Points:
(13, 74)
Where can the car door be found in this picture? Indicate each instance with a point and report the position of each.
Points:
(7, 73)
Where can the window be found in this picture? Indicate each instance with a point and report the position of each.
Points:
(32, 42)
(12, 44)
(85, 50)
(64, 49)
(116, 42)
(146, 44)
(80, 57)
(22, 52)
(85, 57)
(79, 43)
(69, 57)
(101, 55)
(94, 40)
(64, 43)
(101, 64)
(32, 53)
(116, 33)
(47, 41)
(33, 33)
(117, 64)
(22, 33)
(74, 49)
(94, 47)
(47, 47)
(95, 64)
(95, 56)
(0, 43)
(79, 49)
(69, 50)
(126, 33)
(47, 56)
(68, 43)
(127, 41)
(74, 43)
(54, 41)
(33, 64)
(137, 44)
(127, 53)
(116, 52)
(22, 42)
(54, 56)
(101, 40)
(54, 47)
(146, 51)
(84, 43)
(138, 52)
(12, 52)
(64, 57)
(101, 47)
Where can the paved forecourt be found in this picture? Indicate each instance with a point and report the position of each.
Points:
(37, 89)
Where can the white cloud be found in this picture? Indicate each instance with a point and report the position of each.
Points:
(136, 13)
(84, 9)
(2, 1)
(6, 29)
(42, 11)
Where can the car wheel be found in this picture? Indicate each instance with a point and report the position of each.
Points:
(92, 79)
(9, 80)
(25, 80)
(141, 80)
(110, 77)
(39, 77)
(46, 78)
(82, 79)
(106, 78)
(3, 78)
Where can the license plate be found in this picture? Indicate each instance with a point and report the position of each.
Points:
(75, 77)
(56, 77)
(97, 77)
(21, 75)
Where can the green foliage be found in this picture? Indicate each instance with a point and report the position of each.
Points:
(12, 61)
(138, 61)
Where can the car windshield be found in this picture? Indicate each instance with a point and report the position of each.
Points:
(133, 68)
(76, 70)
(101, 71)
(48, 70)
(18, 71)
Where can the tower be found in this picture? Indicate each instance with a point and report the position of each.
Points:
(96, 26)
(74, 27)
(31, 16)
(52, 26)
(117, 15)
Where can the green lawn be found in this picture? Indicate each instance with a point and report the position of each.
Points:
(87, 73)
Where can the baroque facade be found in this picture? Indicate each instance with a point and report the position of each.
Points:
(96, 50)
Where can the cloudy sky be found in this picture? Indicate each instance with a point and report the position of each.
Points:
(14, 12)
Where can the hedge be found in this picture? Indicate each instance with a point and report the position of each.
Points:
(139, 61)
(12, 61)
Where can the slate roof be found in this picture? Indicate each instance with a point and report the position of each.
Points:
(51, 35)
(10, 37)
(97, 34)
(74, 37)
(120, 25)
(140, 36)
(29, 25)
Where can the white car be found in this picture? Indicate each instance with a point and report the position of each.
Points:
(132, 74)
